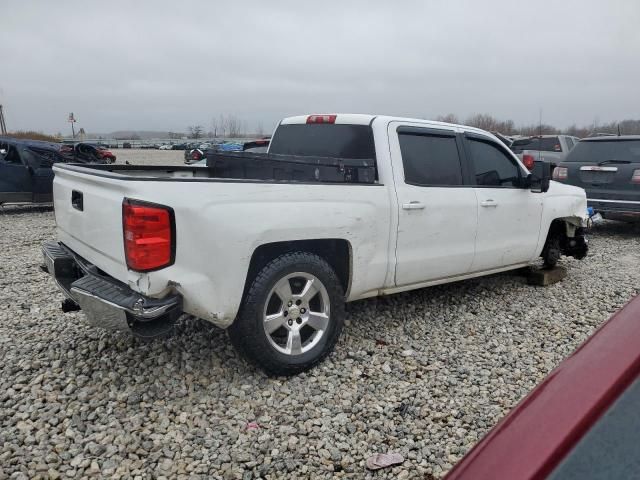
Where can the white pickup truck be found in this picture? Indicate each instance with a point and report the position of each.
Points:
(272, 254)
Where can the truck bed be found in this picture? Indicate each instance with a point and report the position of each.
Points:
(251, 167)
(219, 223)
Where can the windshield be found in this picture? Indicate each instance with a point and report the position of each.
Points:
(603, 150)
(324, 140)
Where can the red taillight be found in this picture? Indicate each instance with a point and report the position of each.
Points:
(149, 235)
(321, 118)
(635, 178)
(560, 173)
(195, 155)
(528, 161)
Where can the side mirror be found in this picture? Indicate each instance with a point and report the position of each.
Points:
(540, 176)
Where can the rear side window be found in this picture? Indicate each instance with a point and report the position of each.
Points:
(324, 140)
(545, 144)
(569, 141)
(493, 167)
(600, 151)
(430, 160)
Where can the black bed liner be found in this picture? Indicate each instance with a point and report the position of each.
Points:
(266, 166)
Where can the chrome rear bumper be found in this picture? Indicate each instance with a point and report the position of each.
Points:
(106, 302)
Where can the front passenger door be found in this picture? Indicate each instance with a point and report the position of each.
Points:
(509, 214)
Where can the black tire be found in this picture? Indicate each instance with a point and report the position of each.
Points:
(247, 333)
(552, 251)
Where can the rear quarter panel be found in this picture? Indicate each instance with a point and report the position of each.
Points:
(220, 224)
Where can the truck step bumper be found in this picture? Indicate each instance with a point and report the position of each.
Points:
(106, 302)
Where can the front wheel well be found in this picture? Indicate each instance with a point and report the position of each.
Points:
(566, 226)
(567, 237)
(335, 251)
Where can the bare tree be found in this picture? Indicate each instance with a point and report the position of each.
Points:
(222, 126)
(233, 126)
(538, 129)
(508, 127)
(195, 132)
(214, 127)
(448, 118)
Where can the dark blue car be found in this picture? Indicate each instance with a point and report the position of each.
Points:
(26, 173)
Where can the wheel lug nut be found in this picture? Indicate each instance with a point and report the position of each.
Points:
(290, 322)
(302, 310)
(290, 303)
(299, 320)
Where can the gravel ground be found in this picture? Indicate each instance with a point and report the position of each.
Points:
(424, 373)
(149, 157)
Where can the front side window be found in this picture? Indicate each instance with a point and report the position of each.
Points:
(493, 168)
(11, 155)
(430, 160)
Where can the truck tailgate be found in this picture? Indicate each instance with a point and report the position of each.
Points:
(88, 210)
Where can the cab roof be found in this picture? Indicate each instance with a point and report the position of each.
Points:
(367, 119)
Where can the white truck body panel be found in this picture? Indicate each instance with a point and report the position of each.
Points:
(221, 223)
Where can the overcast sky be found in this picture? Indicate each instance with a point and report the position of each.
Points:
(156, 65)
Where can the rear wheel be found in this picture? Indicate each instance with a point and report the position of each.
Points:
(291, 316)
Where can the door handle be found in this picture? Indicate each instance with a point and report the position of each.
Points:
(413, 206)
(489, 203)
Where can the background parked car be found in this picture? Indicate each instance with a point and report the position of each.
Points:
(254, 146)
(508, 141)
(608, 168)
(89, 152)
(25, 168)
(547, 148)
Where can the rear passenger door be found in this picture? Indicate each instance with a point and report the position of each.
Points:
(509, 214)
(437, 209)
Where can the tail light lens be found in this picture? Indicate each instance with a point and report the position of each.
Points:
(321, 118)
(149, 235)
(195, 155)
(635, 178)
(528, 161)
(560, 173)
